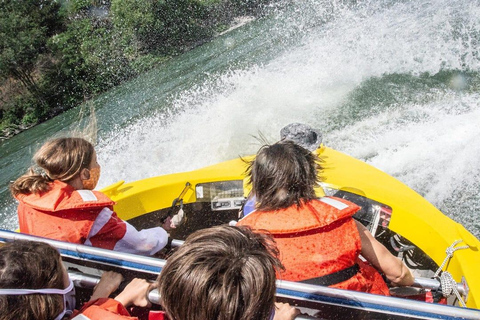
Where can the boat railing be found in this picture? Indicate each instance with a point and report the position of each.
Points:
(302, 295)
(87, 281)
(305, 295)
(87, 252)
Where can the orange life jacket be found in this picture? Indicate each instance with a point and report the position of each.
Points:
(85, 217)
(102, 309)
(319, 238)
(61, 213)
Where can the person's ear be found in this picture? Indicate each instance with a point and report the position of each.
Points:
(85, 174)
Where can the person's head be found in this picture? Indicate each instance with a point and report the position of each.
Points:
(303, 135)
(283, 174)
(65, 159)
(30, 265)
(224, 272)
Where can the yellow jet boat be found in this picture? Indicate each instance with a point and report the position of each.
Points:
(431, 244)
(443, 255)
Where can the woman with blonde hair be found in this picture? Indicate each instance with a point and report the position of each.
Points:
(57, 201)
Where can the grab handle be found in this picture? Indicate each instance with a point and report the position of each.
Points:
(434, 284)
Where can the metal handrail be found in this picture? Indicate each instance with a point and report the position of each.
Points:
(83, 280)
(302, 293)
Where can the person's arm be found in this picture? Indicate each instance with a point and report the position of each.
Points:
(135, 293)
(145, 241)
(284, 311)
(375, 253)
(108, 283)
(111, 232)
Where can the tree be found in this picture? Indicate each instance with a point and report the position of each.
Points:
(161, 26)
(24, 29)
(133, 19)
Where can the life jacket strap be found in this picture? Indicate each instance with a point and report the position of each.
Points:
(334, 278)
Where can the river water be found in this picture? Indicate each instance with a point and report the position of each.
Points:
(393, 83)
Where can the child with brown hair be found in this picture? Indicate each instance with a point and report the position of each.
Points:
(27, 265)
(224, 273)
(58, 202)
(34, 284)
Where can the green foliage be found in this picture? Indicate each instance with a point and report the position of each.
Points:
(210, 2)
(66, 51)
(183, 23)
(92, 59)
(146, 62)
(134, 16)
(20, 110)
(166, 26)
(24, 29)
(75, 6)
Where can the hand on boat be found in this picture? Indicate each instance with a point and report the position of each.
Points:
(378, 255)
(168, 224)
(178, 218)
(136, 293)
(109, 282)
(284, 311)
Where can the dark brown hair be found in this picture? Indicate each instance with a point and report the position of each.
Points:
(223, 273)
(283, 174)
(30, 265)
(58, 159)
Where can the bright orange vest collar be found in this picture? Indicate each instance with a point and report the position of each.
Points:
(321, 213)
(62, 196)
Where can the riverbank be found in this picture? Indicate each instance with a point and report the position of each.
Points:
(85, 50)
(12, 130)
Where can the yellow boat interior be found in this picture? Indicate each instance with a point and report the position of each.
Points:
(407, 224)
(443, 255)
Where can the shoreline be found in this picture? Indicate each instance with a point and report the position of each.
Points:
(12, 130)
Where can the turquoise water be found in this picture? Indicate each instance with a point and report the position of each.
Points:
(394, 83)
